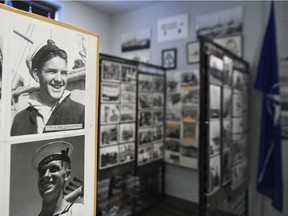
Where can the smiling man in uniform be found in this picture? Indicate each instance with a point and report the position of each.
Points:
(50, 109)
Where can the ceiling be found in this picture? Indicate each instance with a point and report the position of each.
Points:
(115, 7)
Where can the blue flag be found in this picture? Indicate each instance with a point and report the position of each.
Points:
(269, 178)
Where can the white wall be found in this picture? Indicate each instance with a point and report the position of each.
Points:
(182, 182)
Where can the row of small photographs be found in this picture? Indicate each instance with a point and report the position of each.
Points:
(222, 73)
(235, 105)
(113, 134)
(116, 113)
(182, 79)
(150, 100)
(117, 72)
(150, 135)
(149, 118)
(230, 127)
(186, 131)
(115, 155)
(185, 113)
(150, 153)
(150, 83)
(118, 92)
(187, 149)
(183, 98)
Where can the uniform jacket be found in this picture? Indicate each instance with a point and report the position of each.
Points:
(66, 114)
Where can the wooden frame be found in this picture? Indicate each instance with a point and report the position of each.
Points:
(169, 58)
(21, 31)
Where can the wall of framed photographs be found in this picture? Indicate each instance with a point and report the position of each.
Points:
(59, 108)
(223, 161)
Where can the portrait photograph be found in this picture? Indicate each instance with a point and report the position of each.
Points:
(172, 82)
(110, 113)
(159, 84)
(190, 78)
(145, 136)
(145, 100)
(128, 92)
(126, 152)
(110, 92)
(215, 101)
(158, 100)
(232, 43)
(128, 73)
(27, 159)
(109, 134)
(227, 102)
(157, 151)
(47, 67)
(145, 118)
(158, 116)
(173, 100)
(127, 132)
(110, 71)
(145, 82)
(215, 174)
(216, 70)
(128, 112)
(240, 81)
(108, 156)
(144, 154)
(214, 137)
(158, 133)
(169, 58)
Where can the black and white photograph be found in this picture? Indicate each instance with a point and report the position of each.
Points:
(233, 43)
(190, 96)
(158, 116)
(128, 93)
(215, 101)
(136, 40)
(145, 136)
(157, 151)
(215, 174)
(173, 100)
(238, 125)
(110, 92)
(227, 102)
(239, 149)
(145, 154)
(28, 167)
(193, 52)
(173, 114)
(128, 112)
(128, 73)
(169, 58)
(109, 134)
(239, 174)
(57, 80)
(159, 84)
(172, 82)
(239, 105)
(145, 118)
(240, 81)
(145, 82)
(109, 156)
(189, 149)
(173, 130)
(158, 133)
(214, 137)
(228, 71)
(226, 167)
(190, 78)
(127, 132)
(158, 100)
(172, 145)
(226, 133)
(110, 71)
(126, 152)
(146, 100)
(189, 130)
(190, 113)
(216, 70)
(110, 113)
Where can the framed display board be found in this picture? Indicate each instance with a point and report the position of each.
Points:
(48, 115)
(223, 134)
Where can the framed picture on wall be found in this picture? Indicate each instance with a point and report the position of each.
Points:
(232, 43)
(169, 58)
(193, 52)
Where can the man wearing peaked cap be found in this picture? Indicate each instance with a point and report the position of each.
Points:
(52, 161)
(50, 109)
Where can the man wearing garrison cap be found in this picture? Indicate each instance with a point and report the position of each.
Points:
(52, 161)
(50, 109)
